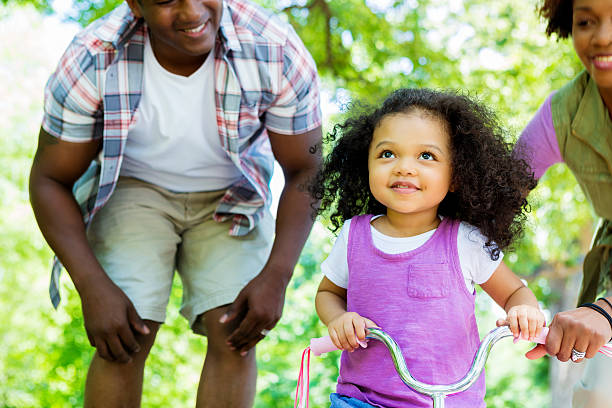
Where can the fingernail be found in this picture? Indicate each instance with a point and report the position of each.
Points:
(146, 330)
(223, 318)
(243, 353)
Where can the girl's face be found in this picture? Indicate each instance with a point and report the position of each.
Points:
(592, 36)
(409, 164)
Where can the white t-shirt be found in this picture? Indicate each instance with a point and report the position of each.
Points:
(174, 141)
(476, 264)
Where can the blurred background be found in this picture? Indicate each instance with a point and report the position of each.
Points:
(363, 49)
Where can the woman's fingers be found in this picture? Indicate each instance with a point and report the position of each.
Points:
(581, 345)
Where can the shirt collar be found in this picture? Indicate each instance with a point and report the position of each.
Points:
(227, 31)
(592, 121)
(118, 26)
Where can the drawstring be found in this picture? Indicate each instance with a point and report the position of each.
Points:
(303, 383)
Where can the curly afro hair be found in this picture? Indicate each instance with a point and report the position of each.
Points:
(559, 14)
(491, 181)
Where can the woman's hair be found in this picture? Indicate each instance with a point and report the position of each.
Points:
(559, 14)
(491, 183)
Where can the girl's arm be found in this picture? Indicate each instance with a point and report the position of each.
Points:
(344, 327)
(519, 302)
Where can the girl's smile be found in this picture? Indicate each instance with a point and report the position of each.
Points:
(404, 187)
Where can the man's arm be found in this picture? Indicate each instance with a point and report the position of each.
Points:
(110, 318)
(260, 303)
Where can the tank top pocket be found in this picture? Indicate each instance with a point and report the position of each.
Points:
(429, 280)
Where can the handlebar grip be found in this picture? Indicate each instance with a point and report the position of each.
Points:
(320, 345)
(541, 339)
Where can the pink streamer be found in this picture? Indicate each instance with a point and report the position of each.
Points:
(301, 383)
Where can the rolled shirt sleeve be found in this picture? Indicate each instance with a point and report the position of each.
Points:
(72, 97)
(297, 108)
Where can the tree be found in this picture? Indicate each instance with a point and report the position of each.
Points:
(363, 49)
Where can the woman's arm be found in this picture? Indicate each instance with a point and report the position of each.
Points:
(519, 302)
(538, 142)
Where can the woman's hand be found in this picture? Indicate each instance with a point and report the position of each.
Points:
(582, 329)
(524, 320)
(347, 328)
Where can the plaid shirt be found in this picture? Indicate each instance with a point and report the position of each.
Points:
(264, 79)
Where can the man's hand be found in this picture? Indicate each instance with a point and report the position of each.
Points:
(583, 329)
(111, 322)
(258, 307)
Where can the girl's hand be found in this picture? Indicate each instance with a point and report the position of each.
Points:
(524, 320)
(345, 329)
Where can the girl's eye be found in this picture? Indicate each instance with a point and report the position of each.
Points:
(426, 156)
(582, 22)
(387, 154)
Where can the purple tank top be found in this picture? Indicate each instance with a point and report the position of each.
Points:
(418, 297)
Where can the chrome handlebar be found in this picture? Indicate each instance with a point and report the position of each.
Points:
(439, 392)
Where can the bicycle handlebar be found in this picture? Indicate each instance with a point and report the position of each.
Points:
(439, 392)
(320, 345)
(436, 392)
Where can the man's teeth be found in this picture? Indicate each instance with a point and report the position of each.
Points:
(607, 58)
(195, 30)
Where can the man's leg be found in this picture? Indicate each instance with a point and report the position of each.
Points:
(214, 267)
(116, 385)
(135, 240)
(228, 379)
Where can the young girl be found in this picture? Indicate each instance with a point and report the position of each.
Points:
(427, 193)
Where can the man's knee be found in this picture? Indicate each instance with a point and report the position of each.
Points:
(217, 332)
(137, 358)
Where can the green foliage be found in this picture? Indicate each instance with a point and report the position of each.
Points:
(363, 49)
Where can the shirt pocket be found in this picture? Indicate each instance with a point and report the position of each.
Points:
(250, 117)
(429, 280)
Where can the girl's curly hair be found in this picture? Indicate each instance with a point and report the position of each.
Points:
(559, 14)
(491, 181)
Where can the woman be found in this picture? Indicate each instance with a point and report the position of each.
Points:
(573, 126)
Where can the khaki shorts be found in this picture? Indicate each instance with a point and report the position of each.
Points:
(144, 233)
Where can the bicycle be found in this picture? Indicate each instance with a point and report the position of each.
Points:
(436, 392)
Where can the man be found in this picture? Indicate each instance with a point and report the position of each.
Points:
(161, 126)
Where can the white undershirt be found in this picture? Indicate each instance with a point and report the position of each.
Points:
(174, 141)
(476, 264)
